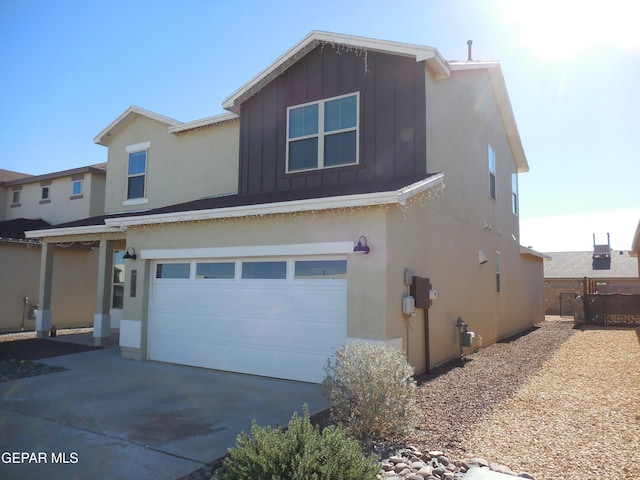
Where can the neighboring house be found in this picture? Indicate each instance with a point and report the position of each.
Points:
(635, 248)
(30, 202)
(260, 240)
(602, 270)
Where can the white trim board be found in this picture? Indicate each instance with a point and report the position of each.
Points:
(325, 248)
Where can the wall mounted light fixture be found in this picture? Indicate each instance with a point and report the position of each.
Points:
(362, 247)
(130, 254)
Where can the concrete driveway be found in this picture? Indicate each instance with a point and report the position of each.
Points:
(107, 417)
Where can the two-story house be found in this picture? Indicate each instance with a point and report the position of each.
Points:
(30, 202)
(347, 175)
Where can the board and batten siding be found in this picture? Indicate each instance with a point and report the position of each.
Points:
(392, 119)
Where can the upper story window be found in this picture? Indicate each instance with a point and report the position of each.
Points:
(323, 134)
(76, 187)
(137, 171)
(492, 172)
(514, 193)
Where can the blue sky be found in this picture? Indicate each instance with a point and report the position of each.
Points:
(572, 69)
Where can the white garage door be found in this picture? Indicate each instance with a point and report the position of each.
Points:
(273, 317)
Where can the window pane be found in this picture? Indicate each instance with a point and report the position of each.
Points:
(77, 187)
(492, 186)
(340, 149)
(118, 296)
(270, 270)
(303, 154)
(514, 193)
(16, 197)
(173, 270)
(216, 270)
(137, 163)
(45, 193)
(303, 121)
(136, 187)
(321, 269)
(492, 160)
(340, 113)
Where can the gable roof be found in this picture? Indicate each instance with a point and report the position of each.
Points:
(434, 60)
(126, 118)
(174, 126)
(99, 168)
(504, 105)
(8, 175)
(578, 265)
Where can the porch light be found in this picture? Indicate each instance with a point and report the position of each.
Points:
(130, 254)
(360, 247)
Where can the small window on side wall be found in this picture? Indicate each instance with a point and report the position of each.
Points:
(76, 187)
(492, 172)
(15, 197)
(514, 194)
(498, 286)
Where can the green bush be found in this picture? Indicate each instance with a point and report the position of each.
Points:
(371, 390)
(301, 452)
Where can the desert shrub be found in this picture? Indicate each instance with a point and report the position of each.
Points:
(371, 390)
(301, 452)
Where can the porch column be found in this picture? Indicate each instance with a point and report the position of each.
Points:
(102, 318)
(43, 315)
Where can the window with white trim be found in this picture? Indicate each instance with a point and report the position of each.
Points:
(514, 194)
(492, 171)
(137, 172)
(136, 175)
(323, 134)
(16, 197)
(76, 187)
(45, 193)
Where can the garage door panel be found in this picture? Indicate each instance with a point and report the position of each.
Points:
(278, 328)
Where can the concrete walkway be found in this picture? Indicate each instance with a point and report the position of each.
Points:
(107, 417)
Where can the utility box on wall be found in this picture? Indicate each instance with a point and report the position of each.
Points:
(420, 291)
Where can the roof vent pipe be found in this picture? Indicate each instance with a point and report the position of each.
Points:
(469, 43)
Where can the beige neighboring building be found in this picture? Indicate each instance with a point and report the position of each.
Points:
(601, 270)
(348, 175)
(28, 202)
(635, 248)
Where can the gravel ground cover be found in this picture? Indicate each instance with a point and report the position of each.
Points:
(19, 350)
(577, 417)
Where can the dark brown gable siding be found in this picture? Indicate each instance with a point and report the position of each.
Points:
(392, 119)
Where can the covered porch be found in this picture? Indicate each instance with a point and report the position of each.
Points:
(111, 245)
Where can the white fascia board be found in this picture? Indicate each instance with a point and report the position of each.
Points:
(204, 122)
(99, 139)
(324, 248)
(535, 253)
(63, 232)
(307, 205)
(435, 61)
